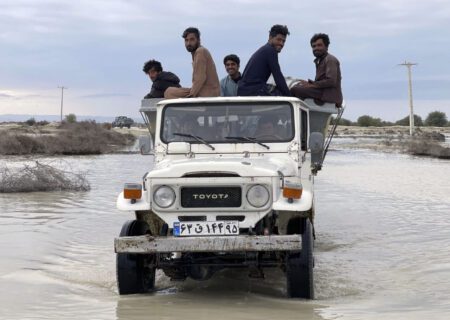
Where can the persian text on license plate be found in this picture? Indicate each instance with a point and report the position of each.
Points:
(205, 228)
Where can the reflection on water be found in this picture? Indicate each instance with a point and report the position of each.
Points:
(382, 246)
(228, 295)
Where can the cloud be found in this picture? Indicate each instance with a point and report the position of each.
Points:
(136, 18)
(19, 96)
(100, 46)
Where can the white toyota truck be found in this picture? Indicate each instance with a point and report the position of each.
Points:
(230, 184)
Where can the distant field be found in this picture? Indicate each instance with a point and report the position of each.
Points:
(426, 141)
(387, 131)
(91, 138)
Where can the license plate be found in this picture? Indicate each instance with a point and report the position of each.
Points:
(205, 228)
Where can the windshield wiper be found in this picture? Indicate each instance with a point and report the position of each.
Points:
(199, 139)
(251, 139)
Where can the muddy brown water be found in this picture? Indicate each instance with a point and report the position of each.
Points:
(382, 249)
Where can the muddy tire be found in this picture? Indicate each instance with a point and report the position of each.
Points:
(135, 273)
(299, 267)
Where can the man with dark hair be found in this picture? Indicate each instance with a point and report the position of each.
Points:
(205, 82)
(326, 87)
(229, 84)
(161, 79)
(192, 30)
(262, 64)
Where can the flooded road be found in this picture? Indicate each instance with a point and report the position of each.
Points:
(382, 249)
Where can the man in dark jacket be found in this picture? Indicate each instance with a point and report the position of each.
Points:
(326, 86)
(161, 79)
(262, 64)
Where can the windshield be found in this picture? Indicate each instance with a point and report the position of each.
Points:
(225, 123)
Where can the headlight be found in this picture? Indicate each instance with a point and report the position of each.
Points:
(164, 196)
(258, 196)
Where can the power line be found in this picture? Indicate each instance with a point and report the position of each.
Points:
(62, 100)
(411, 111)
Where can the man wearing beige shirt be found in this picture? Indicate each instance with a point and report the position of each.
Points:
(205, 82)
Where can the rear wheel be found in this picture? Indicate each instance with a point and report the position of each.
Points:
(299, 267)
(135, 272)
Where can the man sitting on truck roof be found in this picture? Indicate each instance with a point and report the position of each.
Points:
(205, 82)
(229, 84)
(161, 79)
(326, 87)
(262, 64)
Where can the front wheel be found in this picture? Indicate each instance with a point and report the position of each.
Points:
(135, 272)
(299, 267)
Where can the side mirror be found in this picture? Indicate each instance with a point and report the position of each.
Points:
(146, 145)
(178, 148)
(316, 141)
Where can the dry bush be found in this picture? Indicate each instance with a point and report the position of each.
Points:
(79, 138)
(427, 144)
(90, 138)
(22, 129)
(31, 122)
(423, 147)
(41, 177)
(433, 136)
(16, 144)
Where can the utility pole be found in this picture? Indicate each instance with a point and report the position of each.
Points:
(62, 100)
(411, 111)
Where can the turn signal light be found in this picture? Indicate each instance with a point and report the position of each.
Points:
(292, 193)
(292, 190)
(132, 191)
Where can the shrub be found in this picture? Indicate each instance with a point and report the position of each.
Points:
(424, 147)
(368, 121)
(42, 123)
(72, 139)
(107, 126)
(386, 124)
(342, 122)
(418, 122)
(31, 122)
(41, 177)
(436, 119)
(71, 118)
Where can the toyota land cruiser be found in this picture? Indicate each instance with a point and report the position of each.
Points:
(230, 184)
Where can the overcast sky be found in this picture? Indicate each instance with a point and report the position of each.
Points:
(97, 49)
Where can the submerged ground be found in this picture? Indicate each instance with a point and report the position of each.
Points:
(382, 222)
(381, 248)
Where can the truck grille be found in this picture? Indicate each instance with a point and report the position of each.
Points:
(211, 197)
(191, 218)
(230, 218)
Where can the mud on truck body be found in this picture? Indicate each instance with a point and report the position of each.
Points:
(224, 190)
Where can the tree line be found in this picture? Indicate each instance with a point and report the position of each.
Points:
(434, 119)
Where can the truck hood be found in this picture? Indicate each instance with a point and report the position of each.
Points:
(265, 166)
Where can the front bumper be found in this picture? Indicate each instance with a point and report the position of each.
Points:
(149, 244)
